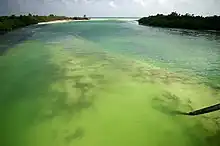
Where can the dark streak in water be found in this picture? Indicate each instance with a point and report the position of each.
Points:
(169, 104)
(78, 134)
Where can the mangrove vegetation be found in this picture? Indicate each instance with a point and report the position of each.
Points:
(187, 21)
(9, 23)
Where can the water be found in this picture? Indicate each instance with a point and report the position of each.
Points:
(110, 83)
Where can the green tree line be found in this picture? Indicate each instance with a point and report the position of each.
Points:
(186, 21)
(8, 23)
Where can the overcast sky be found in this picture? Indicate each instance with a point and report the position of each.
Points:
(134, 8)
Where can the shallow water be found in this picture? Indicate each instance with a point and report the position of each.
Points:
(108, 83)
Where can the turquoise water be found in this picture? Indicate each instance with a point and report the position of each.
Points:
(108, 83)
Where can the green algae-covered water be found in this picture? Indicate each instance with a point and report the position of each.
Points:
(108, 83)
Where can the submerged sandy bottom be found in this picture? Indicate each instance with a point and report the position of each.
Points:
(54, 95)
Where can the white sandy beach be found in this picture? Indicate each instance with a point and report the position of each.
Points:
(56, 21)
(93, 19)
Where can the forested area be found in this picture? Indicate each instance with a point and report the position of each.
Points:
(186, 21)
(8, 23)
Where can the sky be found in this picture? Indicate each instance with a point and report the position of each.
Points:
(99, 8)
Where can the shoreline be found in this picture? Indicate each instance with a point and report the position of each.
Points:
(187, 21)
(68, 20)
(92, 19)
(10, 23)
(56, 21)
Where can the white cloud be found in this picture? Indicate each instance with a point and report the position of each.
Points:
(87, 1)
(141, 2)
(112, 4)
(65, 2)
(162, 2)
(82, 1)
